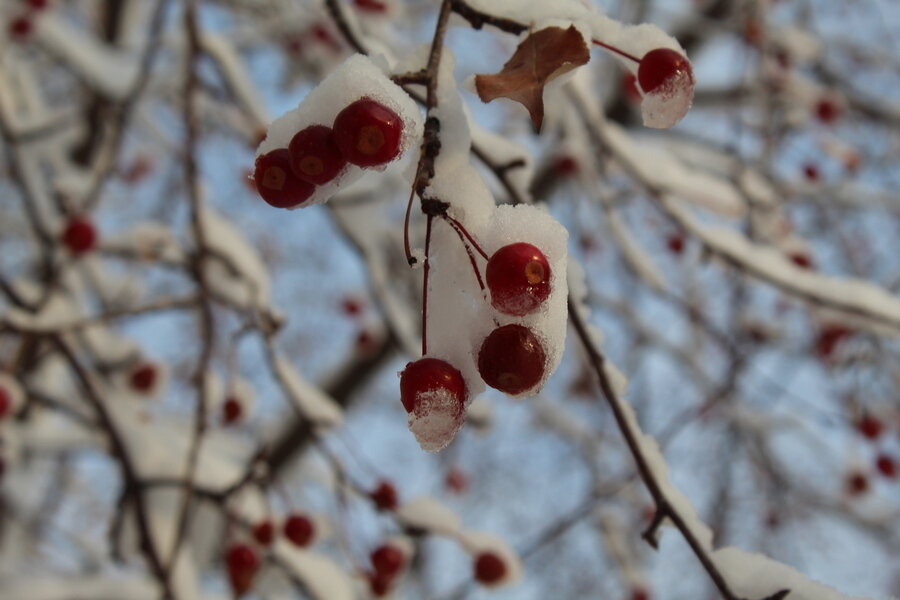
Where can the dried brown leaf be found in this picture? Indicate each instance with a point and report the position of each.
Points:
(541, 57)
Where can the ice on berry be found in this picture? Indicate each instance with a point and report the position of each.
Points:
(358, 77)
(436, 419)
(669, 103)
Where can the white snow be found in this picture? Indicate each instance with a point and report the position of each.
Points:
(429, 514)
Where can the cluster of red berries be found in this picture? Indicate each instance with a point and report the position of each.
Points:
(242, 559)
(387, 564)
(20, 27)
(365, 134)
(871, 427)
(511, 358)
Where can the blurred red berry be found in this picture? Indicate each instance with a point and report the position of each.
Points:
(489, 568)
(300, 530)
(264, 533)
(384, 496)
(79, 235)
(232, 411)
(886, 465)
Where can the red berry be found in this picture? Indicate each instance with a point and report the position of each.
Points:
(38, 4)
(512, 359)
(264, 533)
(857, 484)
(886, 465)
(300, 530)
(387, 560)
(384, 496)
(314, 155)
(242, 563)
(5, 403)
(811, 172)
(675, 243)
(869, 427)
(518, 276)
(660, 67)
(351, 306)
(827, 110)
(79, 235)
(829, 337)
(375, 6)
(365, 341)
(430, 375)
(456, 481)
(20, 27)
(379, 584)
(143, 377)
(232, 411)
(565, 166)
(489, 568)
(801, 259)
(640, 593)
(368, 133)
(276, 182)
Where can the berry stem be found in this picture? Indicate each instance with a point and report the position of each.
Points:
(616, 50)
(410, 259)
(459, 227)
(453, 224)
(425, 287)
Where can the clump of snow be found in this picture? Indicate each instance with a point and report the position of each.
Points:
(436, 419)
(358, 77)
(310, 401)
(429, 514)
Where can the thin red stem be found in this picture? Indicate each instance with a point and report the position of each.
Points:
(453, 225)
(425, 286)
(617, 51)
(469, 237)
(410, 259)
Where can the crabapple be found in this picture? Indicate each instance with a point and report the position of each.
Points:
(659, 67)
(512, 359)
(489, 568)
(79, 235)
(368, 133)
(384, 496)
(276, 182)
(299, 529)
(518, 276)
(241, 562)
(315, 157)
(430, 375)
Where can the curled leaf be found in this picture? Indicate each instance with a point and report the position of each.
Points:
(541, 57)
